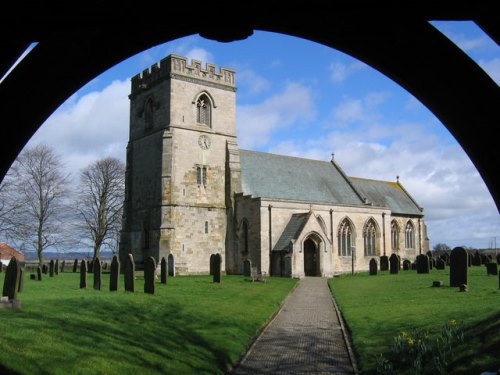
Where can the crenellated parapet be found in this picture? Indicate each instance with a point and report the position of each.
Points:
(177, 66)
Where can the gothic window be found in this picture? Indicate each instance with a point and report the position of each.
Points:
(203, 110)
(394, 236)
(148, 113)
(206, 226)
(409, 236)
(345, 238)
(201, 175)
(245, 236)
(370, 236)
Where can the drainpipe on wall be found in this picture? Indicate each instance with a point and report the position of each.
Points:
(419, 237)
(270, 238)
(383, 230)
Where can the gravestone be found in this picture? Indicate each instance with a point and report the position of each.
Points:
(422, 263)
(247, 267)
(75, 265)
(432, 261)
(491, 268)
(83, 274)
(212, 264)
(373, 266)
(63, 264)
(11, 281)
(394, 263)
(51, 268)
(21, 280)
(39, 273)
(440, 264)
(476, 259)
(149, 275)
(458, 267)
(171, 265)
(406, 265)
(446, 257)
(217, 268)
(97, 271)
(163, 270)
(114, 274)
(469, 259)
(56, 267)
(45, 268)
(498, 258)
(384, 263)
(129, 269)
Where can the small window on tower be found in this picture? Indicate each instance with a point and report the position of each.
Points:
(201, 175)
(203, 110)
(206, 226)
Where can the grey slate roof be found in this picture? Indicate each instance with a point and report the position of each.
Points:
(285, 177)
(387, 194)
(292, 231)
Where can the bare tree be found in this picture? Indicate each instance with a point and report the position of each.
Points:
(9, 206)
(41, 186)
(100, 202)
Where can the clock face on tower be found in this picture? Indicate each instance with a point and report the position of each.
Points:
(204, 142)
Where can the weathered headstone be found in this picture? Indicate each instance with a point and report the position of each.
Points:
(406, 265)
(97, 271)
(83, 274)
(45, 268)
(171, 265)
(63, 264)
(11, 281)
(149, 275)
(384, 263)
(432, 261)
(129, 270)
(217, 268)
(491, 268)
(163, 272)
(373, 266)
(212, 264)
(440, 264)
(114, 274)
(247, 267)
(51, 268)
(75, 265)
(56, 267)
(39, 273)
(394, 263)
(476, 259)
(498, 258)
(458, 267)
(422, 263)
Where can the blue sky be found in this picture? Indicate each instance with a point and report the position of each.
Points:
(300, 98)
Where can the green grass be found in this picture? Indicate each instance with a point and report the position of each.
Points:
(189, 326)
(377, 308)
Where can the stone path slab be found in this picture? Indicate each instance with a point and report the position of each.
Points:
(307, 336)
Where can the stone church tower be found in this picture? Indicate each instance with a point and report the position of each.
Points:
(182, 166)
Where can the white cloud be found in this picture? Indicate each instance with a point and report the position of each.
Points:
(200, 54)
(256, 123)
(252, 82)
(492, 67)
(340, 71)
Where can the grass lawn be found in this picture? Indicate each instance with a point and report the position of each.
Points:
(189, 326)
(377, 308)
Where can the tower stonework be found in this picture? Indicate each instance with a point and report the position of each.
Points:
(182, 166)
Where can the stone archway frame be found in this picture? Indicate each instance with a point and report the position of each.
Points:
(321, 249)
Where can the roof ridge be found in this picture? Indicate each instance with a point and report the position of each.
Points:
(285, 156)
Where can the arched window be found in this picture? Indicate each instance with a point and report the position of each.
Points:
(345, 238)
(203, 110)
(409, 236)
(244, 229)
(148, 113)
(206, 226)
(394, 236)
(370, 238)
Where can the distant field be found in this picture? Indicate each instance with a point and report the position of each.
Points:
(190, 325)
(377, 308)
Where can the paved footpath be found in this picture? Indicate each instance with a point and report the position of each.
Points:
(305, 337)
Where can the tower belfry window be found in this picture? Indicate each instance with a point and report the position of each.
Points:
(201, 175)
(203, 110)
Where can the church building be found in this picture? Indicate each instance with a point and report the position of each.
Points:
(192, 192)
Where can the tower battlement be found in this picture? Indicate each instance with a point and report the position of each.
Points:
(174, 65)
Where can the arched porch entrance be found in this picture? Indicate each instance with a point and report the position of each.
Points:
(311, 258)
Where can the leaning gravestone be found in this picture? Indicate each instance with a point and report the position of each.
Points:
(422, 263)
(163, 270)
(56, 267)
(217, 268)
(75, 265)
(97, 271)
(247, 267)
(11, 281)
(384, 263)
(129, 273)
(149, 275)
(406, 265)
(114, 274)
(458, 267)
(51, 268)
(212, 264)
(83, 274)
(491, 268)
(394, 263)
(373, 266)
(39, 273)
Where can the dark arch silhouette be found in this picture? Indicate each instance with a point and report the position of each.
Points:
(78, 41)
